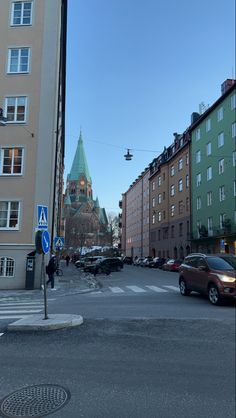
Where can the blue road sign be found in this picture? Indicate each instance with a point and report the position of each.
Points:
(42, 214)
(45, 242)
(59, 242)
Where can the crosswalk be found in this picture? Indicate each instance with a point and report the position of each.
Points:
(129, 289)
(17, 309)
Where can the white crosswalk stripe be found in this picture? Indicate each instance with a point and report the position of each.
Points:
(173, 288)
(19, 309)
(116, 290)
(136, 289)
(157, 289)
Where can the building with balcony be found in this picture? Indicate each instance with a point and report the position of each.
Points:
(32, 96)
(213, 191)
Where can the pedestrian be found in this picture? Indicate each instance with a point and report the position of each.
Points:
(50, 270)
(67, 259)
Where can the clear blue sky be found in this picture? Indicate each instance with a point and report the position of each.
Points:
(136, 70)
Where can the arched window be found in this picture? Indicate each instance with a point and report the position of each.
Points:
(7, 267)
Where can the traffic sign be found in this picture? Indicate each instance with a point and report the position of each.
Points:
(45, 242)
(59, 242)
(42, 213)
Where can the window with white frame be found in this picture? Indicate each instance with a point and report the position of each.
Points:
(208, 148)
(210, 226)
(220, 114)
(172, 190)
(11, 161)
(198, 134)
(221, 165)
(153, 185)
(159, 216)
(234, 130)
(18, 60)
(187, 159)
(221, 140)
(9, 215)
(153, 202)
(172, 210)
(172, 170)
(222, 220)
(198, 179)
(209, 198)
(15, 109)
(233, 101)
(234, 158)
(198, 156)
(21, 13)
(222, 193)
(187, 181)
(153, 218)
(199, 202)
(180, 164)
(208, 125)
(159, 180)
(7, 267)
(180, 185)
(159, 198)
(209, 173)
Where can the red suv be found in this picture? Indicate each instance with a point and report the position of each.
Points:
(210, 274)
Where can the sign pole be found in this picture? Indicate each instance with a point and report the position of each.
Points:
(44, 289)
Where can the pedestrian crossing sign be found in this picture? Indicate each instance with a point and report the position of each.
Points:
(59, 242)
(42, 214)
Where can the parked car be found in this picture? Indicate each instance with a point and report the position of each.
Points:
(138, 261)
(146, 261)
(128, 260)
(83, 262)
(213, 275)
(105, 266)
(157, 262)
(172, 265)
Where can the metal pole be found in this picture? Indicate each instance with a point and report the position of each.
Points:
(44, 289)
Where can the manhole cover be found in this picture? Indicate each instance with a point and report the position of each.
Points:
(34, 401)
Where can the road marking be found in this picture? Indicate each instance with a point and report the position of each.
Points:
(136, 289)
(21, 305)
(173, 288)
(116, 289)
(12, 316)
(19, 311)
(157, 289)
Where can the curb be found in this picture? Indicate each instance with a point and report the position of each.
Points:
(37, 323)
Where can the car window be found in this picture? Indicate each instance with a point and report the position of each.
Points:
(200, 262)
(218, 263)
(230, 260)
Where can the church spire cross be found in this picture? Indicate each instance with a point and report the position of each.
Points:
(80, 166)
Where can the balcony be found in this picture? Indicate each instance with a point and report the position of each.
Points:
(214, 233)
(120, 204)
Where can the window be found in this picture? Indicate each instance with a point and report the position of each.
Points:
(198, 134)
(208, 125)
(11, 161)
(18, 60)
(172, 231)
(209, 198)
(180, 185)
(159, 198)
(220, 114)
(159, 180)
(234, 158)
(234, 130)
(222, 193)
(16, 109)
(187, 181)
(187, 204)
(180, 164)
(21, 13)
(164, 214)
(172, 190)
(9, 215)
(159, 216)
(233, 102)
(208, 148)
(187, 159)
(199, 179)
(164, 195)
(221, 166)
(209, 173)
(181, 229)
(153, 202)
(209, 226)
(222, 219)
(153, 185)
(221, 139)
(199, 202)
(234, 187)
(7, 267)
(153, 218)
(181, 206)
(198, 156)
(172, 170)
(172, 210)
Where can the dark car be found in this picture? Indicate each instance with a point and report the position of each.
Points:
(128, 260)
(105, 266)
(157, 262)
(210, 274)
(83, 262)
(172, 265)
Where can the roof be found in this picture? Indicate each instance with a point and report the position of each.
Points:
(80, 166)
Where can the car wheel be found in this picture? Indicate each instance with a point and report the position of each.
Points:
(183, 288)
(213, 295)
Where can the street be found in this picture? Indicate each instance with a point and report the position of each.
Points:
(143, 351)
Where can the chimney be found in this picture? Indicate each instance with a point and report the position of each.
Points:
(226, 85)
(194, 117)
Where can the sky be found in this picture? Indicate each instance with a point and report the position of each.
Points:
(136, 70)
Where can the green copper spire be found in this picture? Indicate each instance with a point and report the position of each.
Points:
(80, 166)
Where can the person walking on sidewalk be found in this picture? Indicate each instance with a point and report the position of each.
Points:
(67, 260)
(50, 270)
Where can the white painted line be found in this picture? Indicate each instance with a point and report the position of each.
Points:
(95, 293)
(19, 311)
(157, 289)
(12, 316)
(116, 290)
(20, 305)
(136, 289)
(1, 333)
(173, 288)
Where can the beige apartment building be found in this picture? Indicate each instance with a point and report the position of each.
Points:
(170, 200)
(135, 217)
(32, 96)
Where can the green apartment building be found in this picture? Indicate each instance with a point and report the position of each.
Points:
(213, 175)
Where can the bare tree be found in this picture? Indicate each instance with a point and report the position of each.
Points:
(113, 228)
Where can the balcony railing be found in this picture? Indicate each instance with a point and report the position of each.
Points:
(214, 233)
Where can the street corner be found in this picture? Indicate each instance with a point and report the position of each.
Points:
(38, 323)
